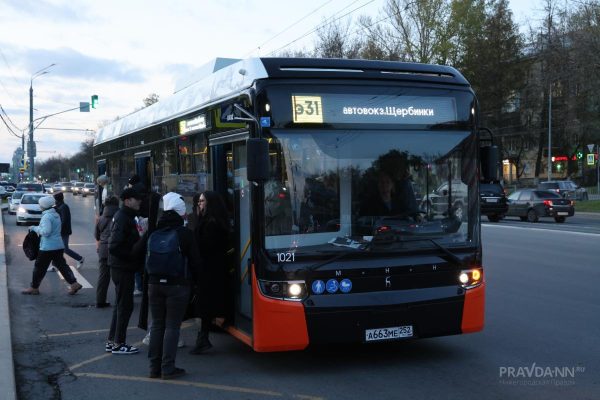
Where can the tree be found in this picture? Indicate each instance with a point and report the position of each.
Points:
(335, 41)
(151, 99)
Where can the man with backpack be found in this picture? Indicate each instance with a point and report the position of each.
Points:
(172, 265)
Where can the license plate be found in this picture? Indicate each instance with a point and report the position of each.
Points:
(393, 333)
(563, 213)
(491, 200)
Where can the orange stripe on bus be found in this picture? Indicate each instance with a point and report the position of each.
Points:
(473, 310)
(278, 325)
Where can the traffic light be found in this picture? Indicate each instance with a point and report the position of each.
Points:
(579, 155)
(94, 100)
(77, 170)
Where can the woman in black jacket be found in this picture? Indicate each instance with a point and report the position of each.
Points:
(169, 285)
(212, 238)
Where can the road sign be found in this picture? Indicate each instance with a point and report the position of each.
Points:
(590, 147)
(591, 159)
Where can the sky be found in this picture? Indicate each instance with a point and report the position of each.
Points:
(124, 50)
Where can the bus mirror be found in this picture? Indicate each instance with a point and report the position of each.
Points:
(489, 163)
(258, 159)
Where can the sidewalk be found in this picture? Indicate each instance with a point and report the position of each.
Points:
(7, 374)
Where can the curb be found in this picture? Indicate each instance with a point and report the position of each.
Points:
(7, 371)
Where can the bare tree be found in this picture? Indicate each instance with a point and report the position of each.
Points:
(151, 99)
(335, 41)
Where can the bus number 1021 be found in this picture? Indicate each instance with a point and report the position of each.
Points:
(286, 257)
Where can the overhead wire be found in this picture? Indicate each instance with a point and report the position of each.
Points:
(9, 128)
(288, 28)
(323, 25)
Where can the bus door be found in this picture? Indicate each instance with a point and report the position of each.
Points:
(143, 168)
(230, 175)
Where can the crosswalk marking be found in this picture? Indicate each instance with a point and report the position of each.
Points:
(79, 277)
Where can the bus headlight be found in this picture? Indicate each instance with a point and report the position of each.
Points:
(470, 278)
(283, 290)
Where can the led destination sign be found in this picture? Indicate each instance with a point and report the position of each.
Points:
(382, 109)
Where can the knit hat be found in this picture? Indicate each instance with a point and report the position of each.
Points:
(174, 201)
(102, 179)
(46, 202)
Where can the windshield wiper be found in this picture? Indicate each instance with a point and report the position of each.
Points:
(318, 265)
(451, 255)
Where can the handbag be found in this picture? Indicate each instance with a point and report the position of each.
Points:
(31, 245)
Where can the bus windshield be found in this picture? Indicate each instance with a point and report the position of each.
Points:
(371, 190)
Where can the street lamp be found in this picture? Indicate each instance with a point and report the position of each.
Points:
(30, 150)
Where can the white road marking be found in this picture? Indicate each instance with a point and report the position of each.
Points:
(541, 230)
(78, 276)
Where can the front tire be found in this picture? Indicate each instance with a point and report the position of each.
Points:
(532, 216)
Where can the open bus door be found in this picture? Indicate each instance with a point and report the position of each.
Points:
(231, 182)
(143, 168)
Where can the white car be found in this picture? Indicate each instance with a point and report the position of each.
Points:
(29, 209)
(14, 201)
(3, 192)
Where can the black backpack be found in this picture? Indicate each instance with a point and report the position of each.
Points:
(164, 256)
(31, 245)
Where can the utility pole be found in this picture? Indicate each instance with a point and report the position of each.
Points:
(550, 131)
(31, 147)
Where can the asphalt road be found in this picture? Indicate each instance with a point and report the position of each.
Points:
(541, 338)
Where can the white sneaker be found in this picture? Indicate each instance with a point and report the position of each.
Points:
(146, 339)
(80, 263)
(181, 343)
(51, 269)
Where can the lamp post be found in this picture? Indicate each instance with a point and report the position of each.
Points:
(550, 132)
(30, 150)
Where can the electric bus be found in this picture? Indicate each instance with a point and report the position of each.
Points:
(331, 172)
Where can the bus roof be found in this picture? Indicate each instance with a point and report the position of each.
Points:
(234, 77)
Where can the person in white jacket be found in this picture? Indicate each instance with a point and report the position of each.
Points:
(51, 249)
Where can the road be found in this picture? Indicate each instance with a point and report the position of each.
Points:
(542, 316)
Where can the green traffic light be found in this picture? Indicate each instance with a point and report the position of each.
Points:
(94, 100)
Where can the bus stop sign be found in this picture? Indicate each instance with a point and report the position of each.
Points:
(591, 159)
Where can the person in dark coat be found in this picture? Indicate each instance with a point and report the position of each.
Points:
(212, 238)
(66, 230)
(102, 234)
(192, 218)
(168, 294)
(125, 257)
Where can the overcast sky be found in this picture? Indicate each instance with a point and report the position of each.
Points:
(123, 50)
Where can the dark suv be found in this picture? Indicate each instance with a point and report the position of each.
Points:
(567, 189)
(492, 201)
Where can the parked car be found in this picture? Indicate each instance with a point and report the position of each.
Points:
(88, 188)
(531, 204)
(8, 187)
(436, 202)
(31, 187)
(13, 202)
(29, 209)
(3, 193)
(77, 188)
(57, 187)
(567, 189)
(492, 201)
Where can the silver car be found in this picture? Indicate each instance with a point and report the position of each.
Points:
(14, 201)
(29, 210)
